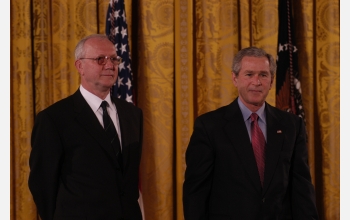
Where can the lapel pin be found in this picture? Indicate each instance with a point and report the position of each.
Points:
(279, 132)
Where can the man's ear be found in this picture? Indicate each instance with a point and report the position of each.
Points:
(79, 66)
(234, 78)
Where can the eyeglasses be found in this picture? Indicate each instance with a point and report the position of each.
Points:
(102, 60)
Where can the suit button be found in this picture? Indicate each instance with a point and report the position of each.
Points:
(263, 200)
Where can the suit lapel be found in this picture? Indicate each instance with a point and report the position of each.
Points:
(88, 120)
(237, 133)
(274, 144)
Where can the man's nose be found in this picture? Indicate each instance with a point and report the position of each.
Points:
(256, 80)
(109, 64)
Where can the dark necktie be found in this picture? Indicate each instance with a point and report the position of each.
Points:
(258, 143)
(111, 132)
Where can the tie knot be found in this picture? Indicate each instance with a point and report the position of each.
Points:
(254, 117)
(104, 105)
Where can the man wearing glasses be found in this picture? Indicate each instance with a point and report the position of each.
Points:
(86, 148)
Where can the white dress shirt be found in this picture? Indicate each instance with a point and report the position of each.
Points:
(95, 104)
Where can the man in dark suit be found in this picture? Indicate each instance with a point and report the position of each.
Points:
(231, 175)
(76, 170)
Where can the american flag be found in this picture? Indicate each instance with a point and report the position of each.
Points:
(288, 88)
(117, 32)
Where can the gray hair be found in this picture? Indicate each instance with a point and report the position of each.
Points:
(252, 52)
(79, 49)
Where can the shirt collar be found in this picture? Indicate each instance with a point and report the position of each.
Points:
(93, 100)
(246, 111)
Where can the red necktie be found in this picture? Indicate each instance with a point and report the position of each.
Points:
(258, 143)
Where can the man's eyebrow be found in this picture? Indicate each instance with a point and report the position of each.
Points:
(252, 71)
(264, 72)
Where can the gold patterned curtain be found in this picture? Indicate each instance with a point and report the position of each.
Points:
(183, 50)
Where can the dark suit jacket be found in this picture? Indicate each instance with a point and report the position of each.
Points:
(222, 179)
(74, 173)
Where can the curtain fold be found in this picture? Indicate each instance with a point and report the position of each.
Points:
(156, 98)
(184, 93)
(327, 103)
(21, 113)
(183, 50)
